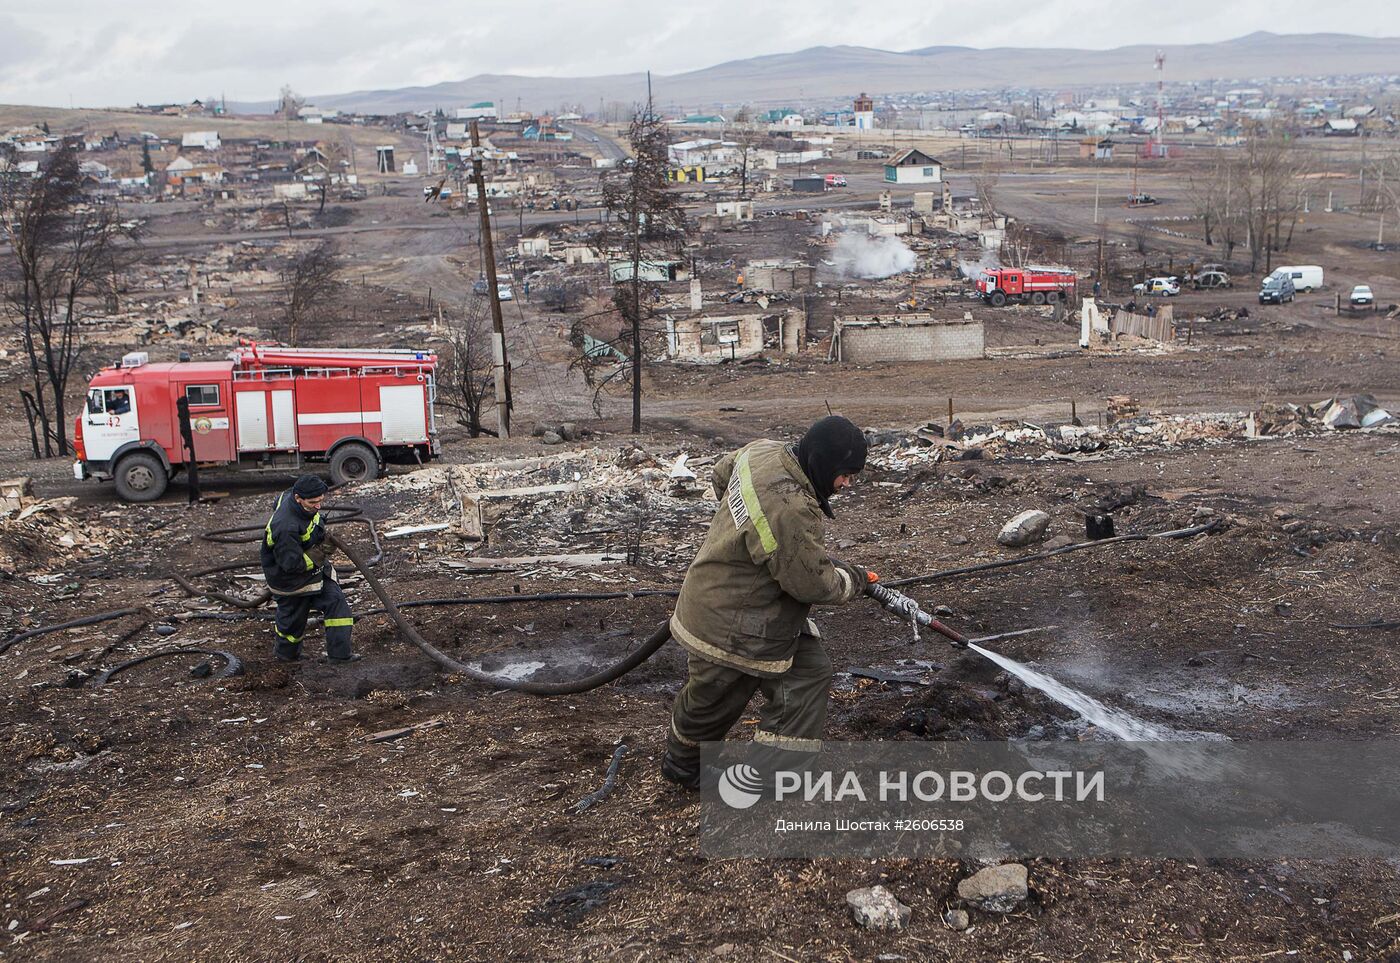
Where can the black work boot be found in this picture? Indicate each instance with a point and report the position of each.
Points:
(685, 775)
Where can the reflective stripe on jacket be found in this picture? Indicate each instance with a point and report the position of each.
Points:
(290, 533)
(761, 568)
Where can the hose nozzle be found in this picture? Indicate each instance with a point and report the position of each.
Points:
(901, 605)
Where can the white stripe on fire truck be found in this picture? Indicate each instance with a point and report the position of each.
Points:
(337, 417)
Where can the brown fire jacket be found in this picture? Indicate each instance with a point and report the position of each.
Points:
(762, 566)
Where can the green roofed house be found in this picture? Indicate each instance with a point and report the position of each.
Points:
(780, 116)
(702, 119)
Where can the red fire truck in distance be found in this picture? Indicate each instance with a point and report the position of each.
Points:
(1035, 285)
(266, 408)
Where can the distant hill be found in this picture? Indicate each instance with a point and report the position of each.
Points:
(824, 73)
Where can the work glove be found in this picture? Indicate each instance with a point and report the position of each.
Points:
(319, 554)
(868, 579)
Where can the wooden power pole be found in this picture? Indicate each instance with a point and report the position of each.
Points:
(488, 255)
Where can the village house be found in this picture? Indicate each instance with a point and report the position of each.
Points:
(913, 166)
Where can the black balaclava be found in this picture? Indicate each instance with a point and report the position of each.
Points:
(833, 446)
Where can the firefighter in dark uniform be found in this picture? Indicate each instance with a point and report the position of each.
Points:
(742, 615)
(295, 562)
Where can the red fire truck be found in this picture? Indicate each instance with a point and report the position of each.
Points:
(266, 408)
(1034, 284)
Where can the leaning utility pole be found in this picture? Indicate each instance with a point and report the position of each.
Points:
(488, 255)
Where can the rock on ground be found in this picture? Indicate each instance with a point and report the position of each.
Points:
(956, 919)
(876, 908)
(996, 889)
(1025, 528)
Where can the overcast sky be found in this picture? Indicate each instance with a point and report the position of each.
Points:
(98, 53)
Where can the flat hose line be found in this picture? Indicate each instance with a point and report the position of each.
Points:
(613, 672)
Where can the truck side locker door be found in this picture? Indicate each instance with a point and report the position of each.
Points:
(1014, 281)
(284, 418)
(251, 406)
(403, 410)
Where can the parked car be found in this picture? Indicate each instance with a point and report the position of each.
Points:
(1207, 280)
(1306, 277)
(835, 180)
(1277, 289)
(1161, 287)
(503, 289)
(1361, 296)
(1139, 200)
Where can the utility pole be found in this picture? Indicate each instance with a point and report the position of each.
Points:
(488, 255)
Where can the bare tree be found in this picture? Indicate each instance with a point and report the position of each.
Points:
(468, 376)
(984, 182)
(1266, 184)
(63, 251)
(1140, 236)
(650, 222)
(748, 137)
(1207, 198)
(311, 278)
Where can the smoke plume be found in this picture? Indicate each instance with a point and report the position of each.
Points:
(861, 256)
(975, 269)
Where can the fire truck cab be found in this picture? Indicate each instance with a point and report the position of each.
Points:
(266, 408)
(1036, 285)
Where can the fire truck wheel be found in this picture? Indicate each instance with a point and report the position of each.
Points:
(998, 299)
(1038, 297)
(140, 477)
(354, 462)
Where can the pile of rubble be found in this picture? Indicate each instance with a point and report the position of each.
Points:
(1354, 411)
(558, 514)
(1128, 432)
(39, 535)
(1226, 314)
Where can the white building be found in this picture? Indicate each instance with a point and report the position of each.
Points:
(913, 166)
(201, 139)
(483, 110)
(689, 153)
(865, 113)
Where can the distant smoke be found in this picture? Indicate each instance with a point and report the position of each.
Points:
(861, 256)
(974, 269)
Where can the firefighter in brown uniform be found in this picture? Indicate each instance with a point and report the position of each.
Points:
(742, 615)
(300, 576)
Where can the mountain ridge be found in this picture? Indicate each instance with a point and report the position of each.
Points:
(824, 73)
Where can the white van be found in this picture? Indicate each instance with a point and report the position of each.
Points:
(1306, 277)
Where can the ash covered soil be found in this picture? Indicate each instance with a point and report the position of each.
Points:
(171, 817)
(249, 818)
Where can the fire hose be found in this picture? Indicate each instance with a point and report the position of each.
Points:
(884, 594)
(617, 670)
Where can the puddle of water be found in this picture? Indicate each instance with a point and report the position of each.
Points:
(513, 671)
